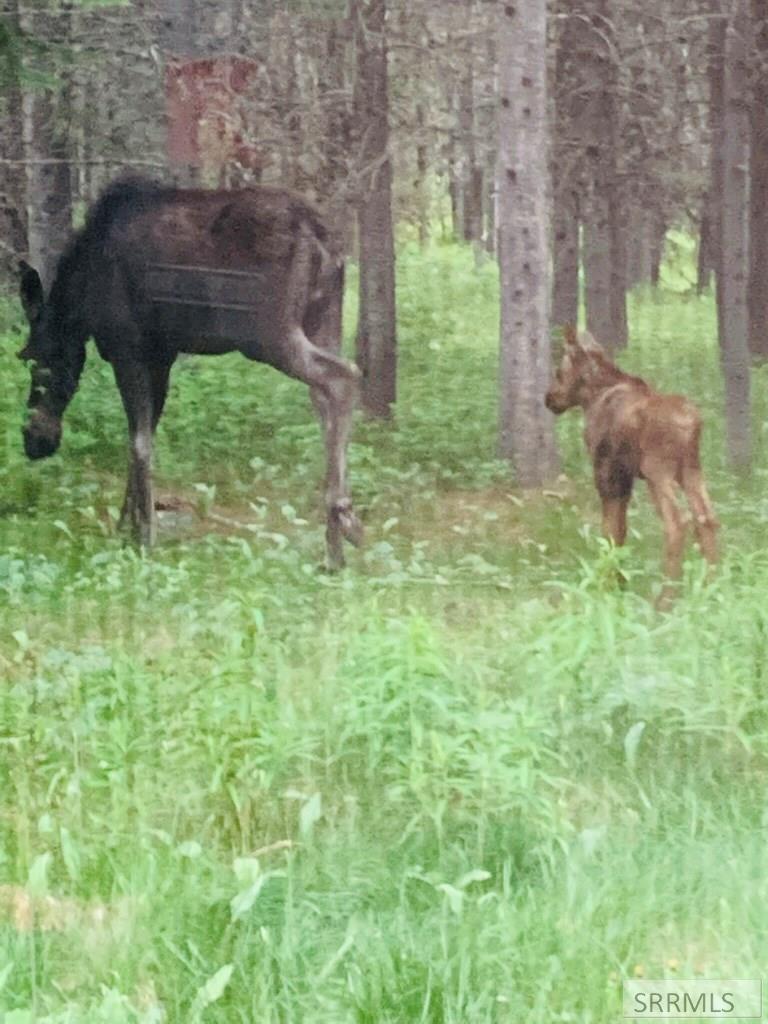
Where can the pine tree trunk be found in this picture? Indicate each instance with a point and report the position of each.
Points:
(604, 242)
(335, 142)
(567, 165)
(758, 254)
(618, 283)
(472, 177)
(376, 335)
(13, 212)
(716, 119)
(639, 251)
(565, 258)
(704, 256)
(732, 297)
(46, 117)
(526, 429)
(597, 256)
(490, 213)
(422, 166)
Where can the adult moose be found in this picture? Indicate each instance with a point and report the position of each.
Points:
(157, 271)
(633, 431)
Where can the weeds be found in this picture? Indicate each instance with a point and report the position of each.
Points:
(473, 779)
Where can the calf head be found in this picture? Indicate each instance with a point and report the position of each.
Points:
(574, 376)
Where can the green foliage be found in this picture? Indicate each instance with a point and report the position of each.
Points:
(471, 779)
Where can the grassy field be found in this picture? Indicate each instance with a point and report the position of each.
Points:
(467, 780)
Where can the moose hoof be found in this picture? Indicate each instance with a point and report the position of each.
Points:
(350, 526)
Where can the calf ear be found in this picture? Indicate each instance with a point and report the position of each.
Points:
(569, 335)
(31, 291)
(588, 343)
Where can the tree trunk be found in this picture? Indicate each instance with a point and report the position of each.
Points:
(658, 231)
(567, 165)
(639, 252)
(526, 429)
(422, 167)
(705, 256)
(565, 258)
(376, 336)
(732, 293)
(472, 177)
(13, 213)
(336, 140)
(454, 175)
(46, 116)
(618, 281)
(716, 119)
(490, 214)
(604, 249)
(597, 258)
(758, 221)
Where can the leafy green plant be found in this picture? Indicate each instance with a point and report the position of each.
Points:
(477, 777)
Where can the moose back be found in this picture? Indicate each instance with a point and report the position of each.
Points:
(157, 271)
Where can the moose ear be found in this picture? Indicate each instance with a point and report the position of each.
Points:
(570, 336)
(31, 291)
(588, 343)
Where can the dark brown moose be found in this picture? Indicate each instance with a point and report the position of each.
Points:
(633, 431)
(157, 271)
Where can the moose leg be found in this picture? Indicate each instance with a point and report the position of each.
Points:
(333, 386)
(135, 381)
(704, 519)
(614, 481)
(662, 490)
(615, 519)
(160, 374)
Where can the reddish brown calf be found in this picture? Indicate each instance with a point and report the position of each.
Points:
(633, 431)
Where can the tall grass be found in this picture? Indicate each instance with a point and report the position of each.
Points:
(469, 780)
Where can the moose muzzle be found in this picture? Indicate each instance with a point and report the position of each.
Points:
(42, 435)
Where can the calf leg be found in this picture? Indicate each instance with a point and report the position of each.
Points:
(615, 519)
(704, 519)
(614, 481)
(333, 386)
(662, 490)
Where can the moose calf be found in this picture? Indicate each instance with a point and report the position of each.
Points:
(633, 431)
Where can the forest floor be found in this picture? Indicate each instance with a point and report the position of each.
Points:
(466, 780)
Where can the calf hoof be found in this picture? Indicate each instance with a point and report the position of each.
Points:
(667, 596)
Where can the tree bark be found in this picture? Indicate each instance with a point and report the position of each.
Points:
(567, 168)
(376, 334)
(526, 429)
(604, 249)
(732, 293)
(639, 257)
(46, 117)
(422, 168)
(597, 256)
(716, 120)
(618, 279)
(704, 256)
(565, 257)
(13, 212)
(472, 177)
(758, 252)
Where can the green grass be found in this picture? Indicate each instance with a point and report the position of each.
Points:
(468, 780)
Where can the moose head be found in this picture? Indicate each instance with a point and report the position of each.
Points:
(582, 362)
(55, 365)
